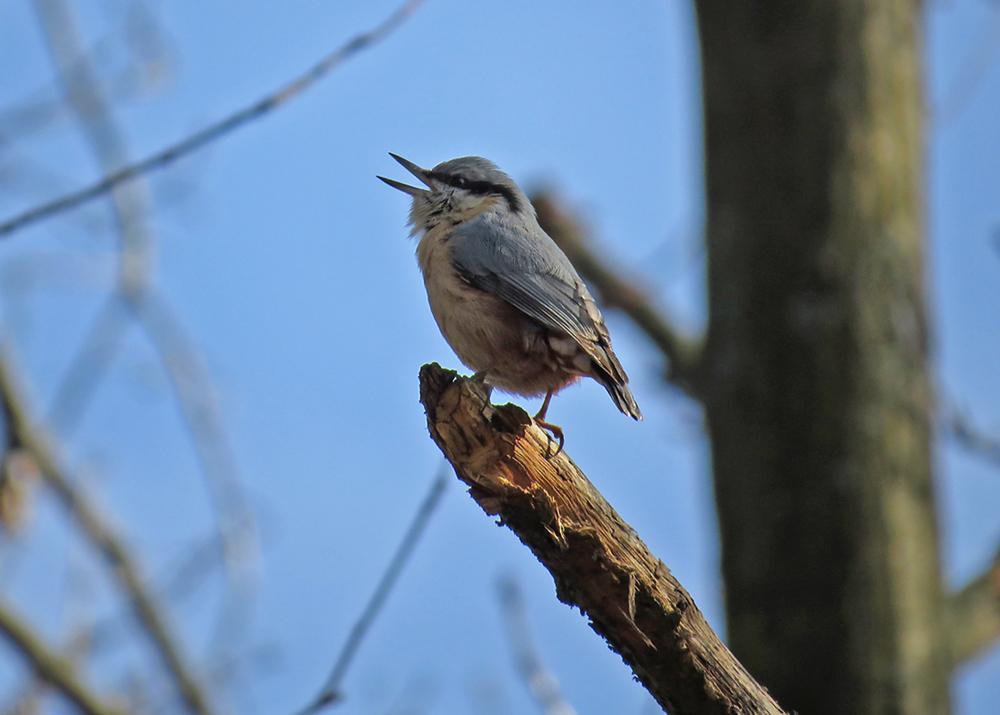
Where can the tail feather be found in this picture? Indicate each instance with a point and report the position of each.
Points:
(621, 395)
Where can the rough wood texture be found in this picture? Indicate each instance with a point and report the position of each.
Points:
(815, 368)
(598, 563)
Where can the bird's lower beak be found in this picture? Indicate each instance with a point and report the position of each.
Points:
(405, 188)
(421, 174)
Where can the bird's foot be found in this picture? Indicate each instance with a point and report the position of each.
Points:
(480, 379)
(550, 432)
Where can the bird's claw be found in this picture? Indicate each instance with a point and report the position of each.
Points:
(550, 432)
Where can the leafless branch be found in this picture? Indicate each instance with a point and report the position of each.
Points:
(172, 587)
(93, 112)
(182, 363)
(196, 396)
(89, 366)
(682, 352)
(109, 545)
(48, 666)
(541, 683)
(330, 692)
(971, 72)
(149, 55)
(217, 130)
(597, 560)
(22, 175)
(79, 646)
(974, 615)
(972, 438)
(974, 610)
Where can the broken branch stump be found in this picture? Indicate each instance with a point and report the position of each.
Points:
(598, 562)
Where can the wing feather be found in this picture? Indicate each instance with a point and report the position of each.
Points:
(531, 273)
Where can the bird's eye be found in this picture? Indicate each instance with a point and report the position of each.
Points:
(460, 182)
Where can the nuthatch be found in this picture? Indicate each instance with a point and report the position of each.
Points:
(504, 295)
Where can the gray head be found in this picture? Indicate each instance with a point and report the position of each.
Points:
(458, 190)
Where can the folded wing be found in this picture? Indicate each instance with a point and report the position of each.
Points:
(531, 273)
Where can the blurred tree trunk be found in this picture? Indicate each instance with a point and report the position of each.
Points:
(814, 376)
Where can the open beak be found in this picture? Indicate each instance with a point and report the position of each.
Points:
(422, 174)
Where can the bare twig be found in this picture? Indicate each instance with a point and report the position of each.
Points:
(23, 175)
(108, 544)
(974, 610)
(682, 352)
(93, 113)
(541, 683)
(176, 584)
(972, 438)
(48, 666)
(974, 615)
(89, 366)
(172, 587)
(182, 363)
(17, 475)
(196, 396)
(330, 692)
(973, 69)
(597, 560)
(149, 53)
(219, 129)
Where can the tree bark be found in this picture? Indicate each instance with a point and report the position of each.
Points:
(597, 561)
(814, 376)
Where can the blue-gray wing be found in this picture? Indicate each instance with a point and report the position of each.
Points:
(519, 262)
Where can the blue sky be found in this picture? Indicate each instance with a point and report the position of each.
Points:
(290, 265)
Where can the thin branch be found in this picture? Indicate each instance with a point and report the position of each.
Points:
(974, 615)
(973, 439)
(50, 667)
(974, 610)
(219, 129)
(197, 399)
(682, 352)
(173, 587)
(177, 584)
(974, 68)
(109, 545)
(21, 175)
(93, 113)
(541, 683)
(597, 560)
(330, 692)
(181, 361)
(148, 50)
(89, 366)
(131, 203)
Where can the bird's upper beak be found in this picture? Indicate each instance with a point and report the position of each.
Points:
(422, 174)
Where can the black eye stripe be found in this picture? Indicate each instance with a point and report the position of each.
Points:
(482, 188)
(475, 187)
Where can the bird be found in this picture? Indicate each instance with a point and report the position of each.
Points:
(506, 298)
